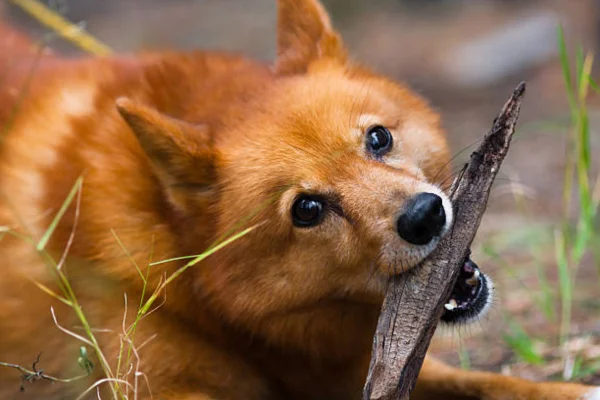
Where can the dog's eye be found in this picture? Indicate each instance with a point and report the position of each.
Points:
(307, 211)
(379, 140)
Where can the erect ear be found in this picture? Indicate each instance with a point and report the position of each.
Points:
(304, 34)
(181, 153)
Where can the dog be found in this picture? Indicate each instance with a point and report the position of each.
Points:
(333, 172)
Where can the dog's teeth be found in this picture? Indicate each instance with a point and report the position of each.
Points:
(451, 305)
(472, 281)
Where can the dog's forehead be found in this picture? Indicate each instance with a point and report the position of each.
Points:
(332, 114)
(341, 97)
(334, 102)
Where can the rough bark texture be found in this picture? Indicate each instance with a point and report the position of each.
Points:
(415, 300)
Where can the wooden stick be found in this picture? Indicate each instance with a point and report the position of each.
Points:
(414, 301)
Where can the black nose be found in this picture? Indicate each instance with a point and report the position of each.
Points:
(423, 219)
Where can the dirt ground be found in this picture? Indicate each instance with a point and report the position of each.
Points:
(466, 57)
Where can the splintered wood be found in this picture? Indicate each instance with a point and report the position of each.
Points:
(414, 301)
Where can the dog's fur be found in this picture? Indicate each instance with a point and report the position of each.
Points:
(179, 150)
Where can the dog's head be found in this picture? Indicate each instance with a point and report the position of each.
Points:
(344, 171)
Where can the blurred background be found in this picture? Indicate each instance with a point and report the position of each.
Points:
(540, 239)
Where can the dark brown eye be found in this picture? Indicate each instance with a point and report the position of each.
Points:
(307, 211)
(379, 140)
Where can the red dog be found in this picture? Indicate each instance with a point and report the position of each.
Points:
(338, 166)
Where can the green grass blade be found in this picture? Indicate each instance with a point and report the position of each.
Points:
(50, 292)
(564, 61)
(565, 285)
(522, 344)
(195, 261)
(174, 259)
(129, 256)
(48, 234)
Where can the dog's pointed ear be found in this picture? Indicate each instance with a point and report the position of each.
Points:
(181, 153)
(305, 34)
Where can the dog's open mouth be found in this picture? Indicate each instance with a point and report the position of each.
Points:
(470, 296)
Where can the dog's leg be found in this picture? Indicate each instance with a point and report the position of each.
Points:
(440, 381)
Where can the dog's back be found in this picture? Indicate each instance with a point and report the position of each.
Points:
(59, 123)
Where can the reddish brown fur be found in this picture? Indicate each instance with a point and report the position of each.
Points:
(281, 313)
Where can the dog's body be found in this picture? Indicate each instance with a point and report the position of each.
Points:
(287, 311)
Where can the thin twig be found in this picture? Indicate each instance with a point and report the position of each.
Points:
(34, 374)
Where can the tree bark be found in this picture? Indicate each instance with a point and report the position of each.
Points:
(414, 301)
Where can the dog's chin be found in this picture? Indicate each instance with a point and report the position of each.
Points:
(471, 296)
(397, 261)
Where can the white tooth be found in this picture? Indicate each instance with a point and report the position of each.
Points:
(451, 305)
